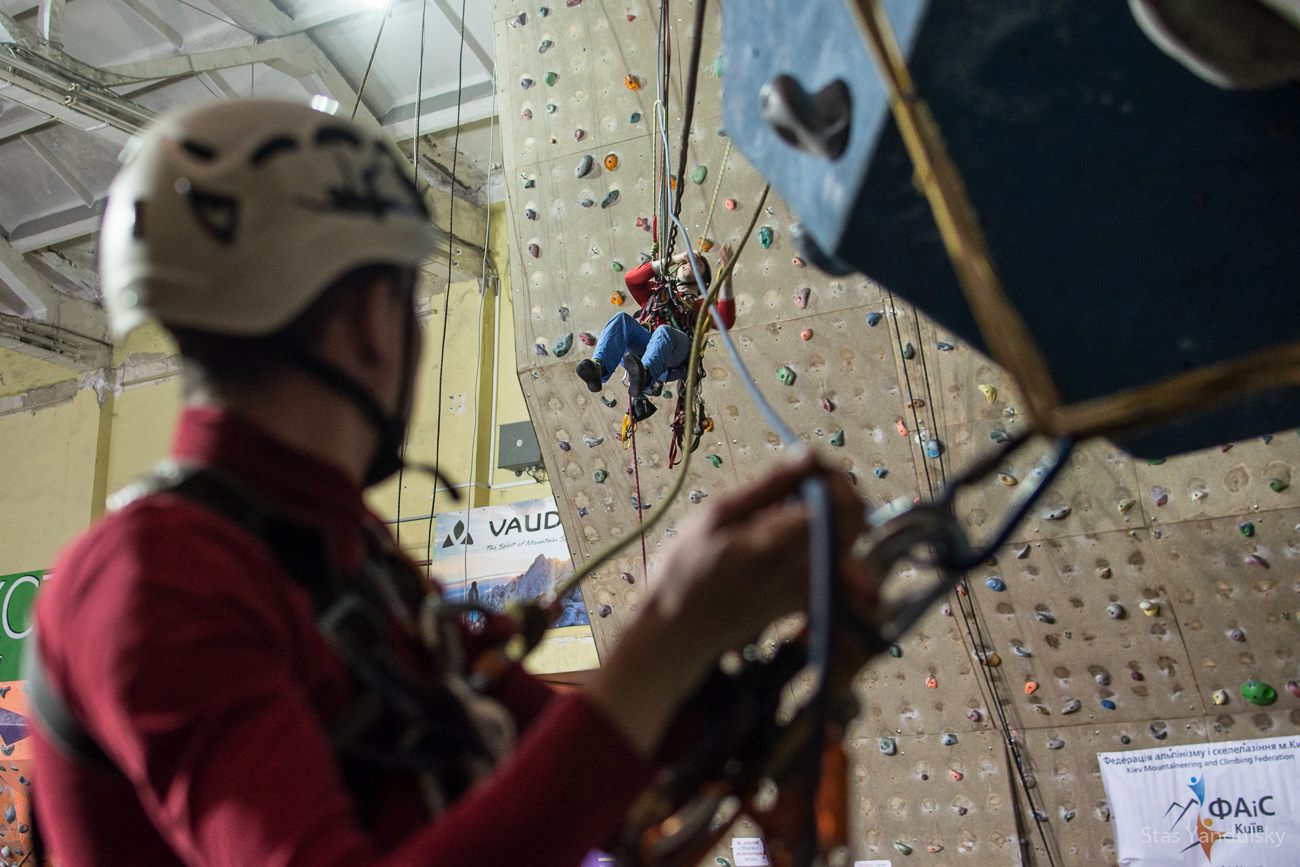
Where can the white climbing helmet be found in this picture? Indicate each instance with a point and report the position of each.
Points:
(233, 218)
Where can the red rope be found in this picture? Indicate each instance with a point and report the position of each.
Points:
(640, 507)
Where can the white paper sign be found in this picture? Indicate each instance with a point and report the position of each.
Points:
(749, 852)
(877, 863)
(1227, 804)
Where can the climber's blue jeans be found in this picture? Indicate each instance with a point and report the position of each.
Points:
(664, 353)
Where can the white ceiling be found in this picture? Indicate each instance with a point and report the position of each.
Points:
(125, 60)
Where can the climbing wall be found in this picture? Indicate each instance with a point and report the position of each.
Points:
(1134, 599)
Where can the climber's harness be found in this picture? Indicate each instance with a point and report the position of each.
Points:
(434, 728)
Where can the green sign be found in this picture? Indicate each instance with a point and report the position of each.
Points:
(17, 593)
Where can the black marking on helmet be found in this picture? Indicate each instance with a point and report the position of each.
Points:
(200, 151)
(337, 134)
(137, 224)
(358, 190)
(277, 145)
(216, 213)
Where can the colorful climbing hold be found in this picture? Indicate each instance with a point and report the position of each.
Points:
(631, 82)
(1258, 692)
(543, 11)
(608, 401)
(874, 317)
(1125, 505)
(837, 438)
(1008, 479)
(529, 183)
(880, 472)
(1149, 608)
(1044, 616)
(519, 20)
(1246, 528)
(1031, 687)
(1159, 495)
(696, 496)
(933, 448)
(949, 739)
(1109, 705)
(1277, 486)
(605, 610)
(1072, 705)
(610, 198)
(797, 262)
(895, 651)
(828, 404)
(1293, 687)
(785, 375)
(974, 715)
(592, 441)
(729, 204)
(902, 848)
(1255, 560)
(1101, 678)
(627, 577)
(599, 476)
(956, 776)
(909, 351)
(611, 161)
(1057, 514)
(705, 245)
(585, 165)
(888, 746)
(715, 460)
(765, 236)
(996, 584)
(534, 250)
(634, 117)
(990, 393)
(992, 660)
(800, 298)
(526, 82)
(999, 436)
(551, 78)
(1055, 744)
(943, 346)
(931, 682)
(1115, 611)
(1219, 696)
(561, 346)
(1020, 650)
(526, 114)
(717, 66)
(1236, 634)
(563, 445)
(616, 298)
(699, 174)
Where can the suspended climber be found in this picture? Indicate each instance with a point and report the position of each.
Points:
(655, 344)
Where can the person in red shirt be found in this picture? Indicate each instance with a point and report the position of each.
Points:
(237, 664)
(655, 345)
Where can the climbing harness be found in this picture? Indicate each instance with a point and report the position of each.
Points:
(437, 728)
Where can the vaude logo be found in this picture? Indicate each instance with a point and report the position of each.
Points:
(1206, 822)
(534, 523)
(459, 535)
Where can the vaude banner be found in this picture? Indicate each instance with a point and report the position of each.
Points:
(1227, 804)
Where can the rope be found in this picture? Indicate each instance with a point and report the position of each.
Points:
(640, 510)
(369, 63)
(688, 117)
(446, 307)
(717, 188)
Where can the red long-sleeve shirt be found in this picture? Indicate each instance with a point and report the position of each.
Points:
(196, 664)
(642, 282)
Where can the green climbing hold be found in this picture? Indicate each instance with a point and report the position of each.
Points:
(909, 351)
(1155, 462)
(722, 862)
(1277, 486)
(599, 476)
(765, 236)
(902, 848)
(717, 66)
(895, 651)
(1258, 692)
(563, 345)
(551, 78)
(715, 460)
(785, 376)
(837, 438)
(1247, 529)
(700, 173)
(617, 266)
(634, 117)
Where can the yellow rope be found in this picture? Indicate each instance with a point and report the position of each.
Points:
(713, 203)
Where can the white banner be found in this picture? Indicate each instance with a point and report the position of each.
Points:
(1226, 804)
(496, 555)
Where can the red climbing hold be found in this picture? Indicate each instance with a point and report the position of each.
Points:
(534, 251)
(729, 204)
(806, 334)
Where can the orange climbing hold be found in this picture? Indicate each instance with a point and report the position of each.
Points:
(1031, 687)
(631, 82)
(672, 182)
(611, 161)
(729, 204)
(616, 298)
(707, 424)
(705, 245)
(902, 428)
(931, 682)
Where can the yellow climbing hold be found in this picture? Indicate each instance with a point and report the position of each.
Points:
(990, 393)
